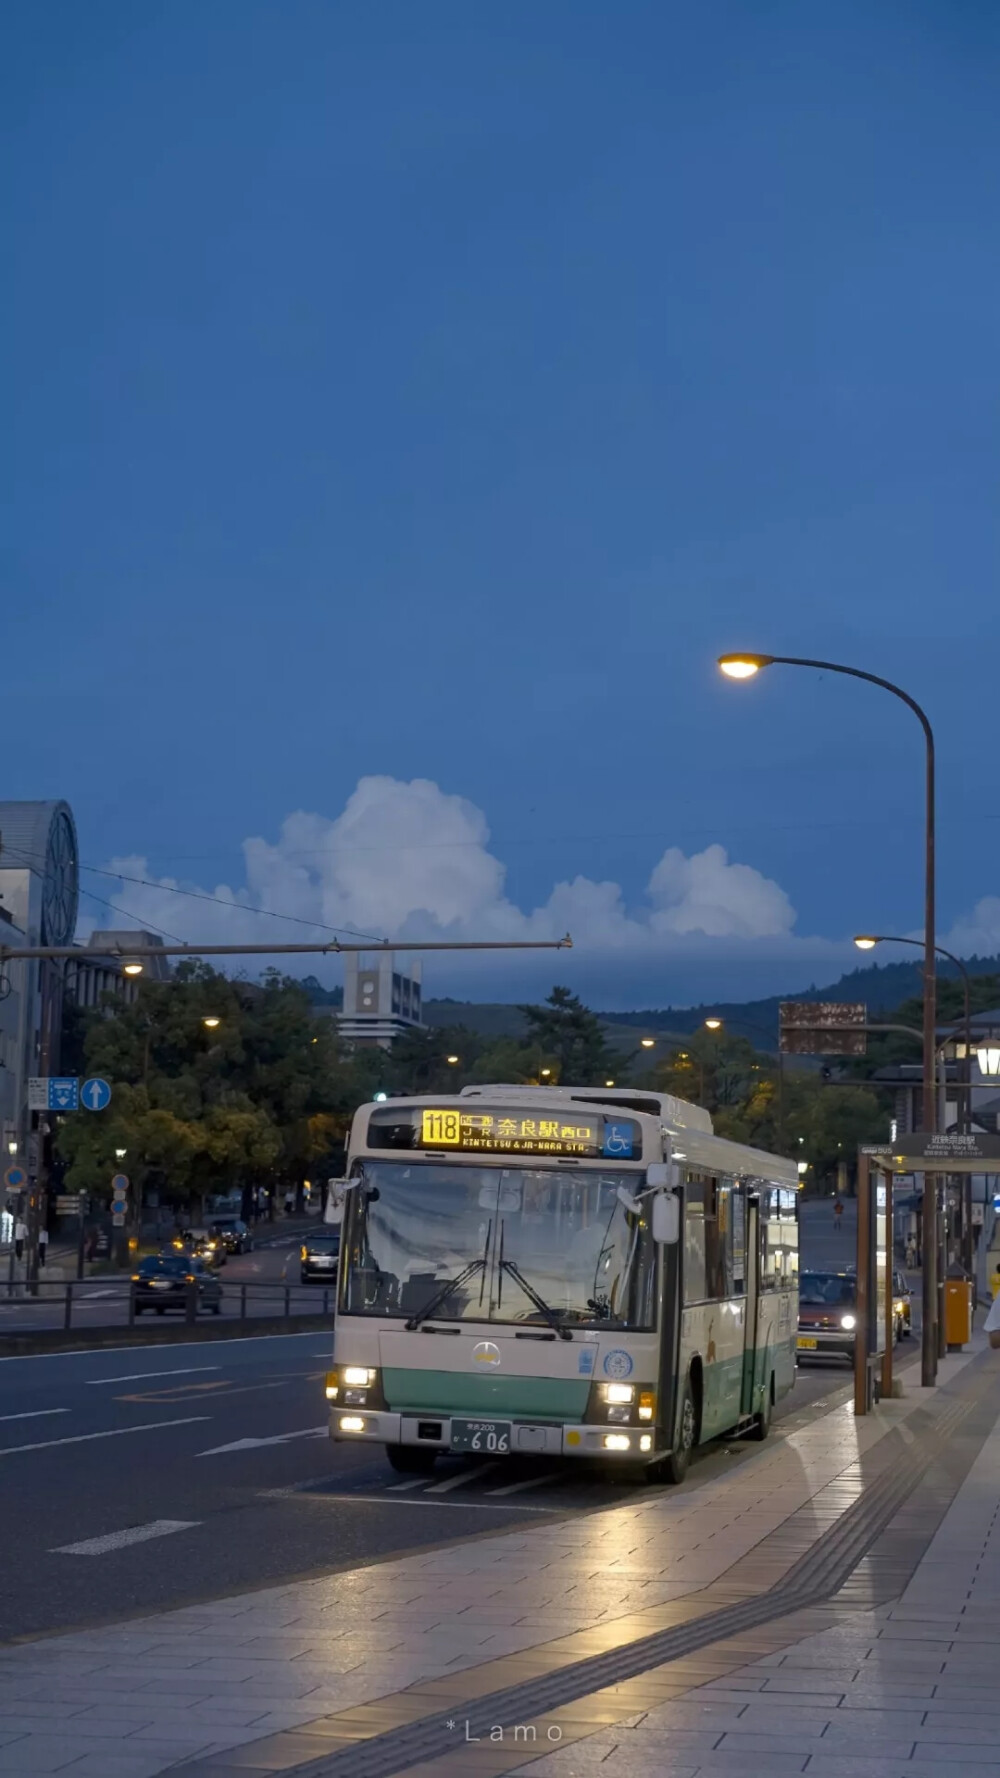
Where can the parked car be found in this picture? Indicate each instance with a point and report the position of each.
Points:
(163, 1282)
(232, 1233)
(827, 1314)
(902, 1305)
(319, 1254)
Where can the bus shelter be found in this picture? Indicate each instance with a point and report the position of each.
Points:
(879, 1164)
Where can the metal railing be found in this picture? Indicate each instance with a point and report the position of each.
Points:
(72, 1303)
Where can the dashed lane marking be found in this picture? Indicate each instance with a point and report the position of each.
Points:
(460, 1480)
(187, 1370)
(34, 1414)
(83, 1438)
(119, 1540)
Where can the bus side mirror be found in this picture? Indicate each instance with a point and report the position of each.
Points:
(666, 1219)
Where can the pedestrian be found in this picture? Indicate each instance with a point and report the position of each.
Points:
(289, 1201)
(910, 1258)
(838, 1214)
(43, 1245)
(991, 1325)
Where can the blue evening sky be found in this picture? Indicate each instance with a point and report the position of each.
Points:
(432, 391)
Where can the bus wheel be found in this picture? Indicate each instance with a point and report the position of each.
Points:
(762, 1421)
(411, 1459)
(675, 1466)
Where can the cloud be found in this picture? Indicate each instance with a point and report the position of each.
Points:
(976, 934)
(409, 860)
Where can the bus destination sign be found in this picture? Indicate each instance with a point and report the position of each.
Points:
(515, 1132)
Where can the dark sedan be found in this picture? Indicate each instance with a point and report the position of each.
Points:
(232, 1234)
(164, 1282)
(319, 1255)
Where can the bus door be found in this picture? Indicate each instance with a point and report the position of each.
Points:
(752, 1357)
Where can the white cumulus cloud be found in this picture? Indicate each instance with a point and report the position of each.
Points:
(410, 860)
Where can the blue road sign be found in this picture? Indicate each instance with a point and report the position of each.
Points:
(95, 1094)
(64, 1093)
(15, 1178)
(119, 1184)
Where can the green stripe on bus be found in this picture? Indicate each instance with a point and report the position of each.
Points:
(452, 1392)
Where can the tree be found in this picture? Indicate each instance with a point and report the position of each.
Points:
(573, 1036)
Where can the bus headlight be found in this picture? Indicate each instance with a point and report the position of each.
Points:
(619, 1394)
(351, 1423)
(357, 1376)
(848, 1321)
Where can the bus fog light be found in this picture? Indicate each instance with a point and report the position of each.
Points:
(357, 1376)
(617, 1441)
(646, 1442)
(351, 1423)
(619, 1393)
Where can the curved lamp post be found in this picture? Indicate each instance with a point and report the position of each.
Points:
(745, 666)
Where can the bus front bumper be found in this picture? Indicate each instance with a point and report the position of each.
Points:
(525, 1438)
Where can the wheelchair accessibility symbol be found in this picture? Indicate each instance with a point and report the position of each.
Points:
(618, 1140)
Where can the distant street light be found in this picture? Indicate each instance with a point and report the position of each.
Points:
(545, 1073)
(133, 968)
(451, 1060)
(12, 1147)
(743, 666)
(648, 1043)
(713, 1024)
(211, 1022)
(609, 1083)
(717, 1025)
(120, 1153)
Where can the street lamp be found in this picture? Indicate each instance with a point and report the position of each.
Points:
(451, 1060)
(647, 1043)
(132, 968)
(12, 1147)
(744, 666)
(713, 1024)
(609, 1083)
(211, 1022)
(120, 1153)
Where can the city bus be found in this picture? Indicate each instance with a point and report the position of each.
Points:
(566, 1273)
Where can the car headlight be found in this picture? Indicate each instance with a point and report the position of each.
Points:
(848, 1321)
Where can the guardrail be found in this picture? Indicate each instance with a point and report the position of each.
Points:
(78, 1297)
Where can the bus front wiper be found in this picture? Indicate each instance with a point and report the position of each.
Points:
(450, 1284)
(513, 1270)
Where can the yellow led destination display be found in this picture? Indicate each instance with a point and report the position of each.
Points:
(516, 1132)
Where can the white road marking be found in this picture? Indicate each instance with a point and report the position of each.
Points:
(152, 1346)
(35, 1414)
(402, 1487)
(188, 1370)
(119, 1540)
(255, 1444)
(534, 1481)
(426, 1499)
(83, 1438)
(460, 1480)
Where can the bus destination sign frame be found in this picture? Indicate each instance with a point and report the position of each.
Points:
(508, 1130)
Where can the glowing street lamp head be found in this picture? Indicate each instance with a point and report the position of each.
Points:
(865, 942)
(211, 1022)
(647, 1043)
(451, 1060)
(743, 666)
(713, 1024)
(134, 967)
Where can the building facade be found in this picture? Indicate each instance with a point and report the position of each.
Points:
(382, 999)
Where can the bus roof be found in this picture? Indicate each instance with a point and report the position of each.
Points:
(678, 1113)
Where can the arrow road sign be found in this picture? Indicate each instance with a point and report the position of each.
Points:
(95, 1094)
(64, 1093)
(16, 1178)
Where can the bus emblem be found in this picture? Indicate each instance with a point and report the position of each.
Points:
(486, 1353)
(618, 1364)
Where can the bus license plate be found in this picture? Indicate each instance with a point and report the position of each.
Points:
(807, 1345)
(480, 1436)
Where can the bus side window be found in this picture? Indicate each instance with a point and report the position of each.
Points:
(718, 1240)
(694, 1239)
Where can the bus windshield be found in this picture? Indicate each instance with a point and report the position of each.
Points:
(519, 1244)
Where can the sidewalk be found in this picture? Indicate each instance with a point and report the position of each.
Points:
(752, 1625)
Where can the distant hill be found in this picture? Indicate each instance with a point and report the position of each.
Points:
(320, 996)
(880, 985)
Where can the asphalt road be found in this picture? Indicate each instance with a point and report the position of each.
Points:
(218, 1456)
(102, 1301)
